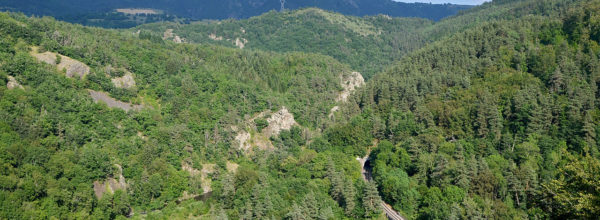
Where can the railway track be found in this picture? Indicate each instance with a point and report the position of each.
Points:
(366, 174)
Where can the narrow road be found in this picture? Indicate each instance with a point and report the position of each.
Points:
(366, 174)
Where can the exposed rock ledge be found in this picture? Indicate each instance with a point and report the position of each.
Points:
(12, 83)
(215, 37)
(349, 83)
(169, 34)
(278, 121)
(241, 42)
(204, 178)
(110, 185)
(72, 67)
(238, 42)
(207, 169)
(281, 120)
(332, 111)
(126, 81)
(113, 103)
(243, 139)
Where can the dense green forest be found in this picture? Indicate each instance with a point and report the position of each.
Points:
(496, 122)
(84, 11)
(115, 19)
(490, 114)
(56, 141)
(367, 44)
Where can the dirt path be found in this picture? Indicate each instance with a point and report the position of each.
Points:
(366, 174)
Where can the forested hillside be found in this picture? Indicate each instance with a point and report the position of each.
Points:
(100, 13)
(490, 114)
(367, 44)
(65, 156)
(497, 122)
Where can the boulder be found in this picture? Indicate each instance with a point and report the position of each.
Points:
(13, 84)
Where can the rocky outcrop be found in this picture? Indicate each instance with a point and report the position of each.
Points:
(110, 185)
(113, 103)
(13, 84)
(238, 42)
(126, 81)
(349, 83)
(72, 67)
(278, 121)
(281, 120)
(241, 42)
(232, 167)
(168, 34)
(205, 179)
(186, 166)
(333, 110)
(243, 140)
(215, 37)
(207, 169)
(177, 39)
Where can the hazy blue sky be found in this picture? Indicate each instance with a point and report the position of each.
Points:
(460, 2)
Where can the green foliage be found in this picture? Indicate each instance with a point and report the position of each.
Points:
(56, 141)
(371, 200)
(496, 119)
(471, 130)
(352, 138)
(260, 124)
(105, 14)
(576, 191)
(348, 39)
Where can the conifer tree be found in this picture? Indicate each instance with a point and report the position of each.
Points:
(349, 196)
(515, 188)
(296, 213)
(588, 129)
(259, 205)
(228, 189)
(310, 208)
(461, 177)
(326, 213)
(455, 212)
(221, 215)
(337, 184)
(557, 81)
(438, 174)
(371, 200)
(248, 214)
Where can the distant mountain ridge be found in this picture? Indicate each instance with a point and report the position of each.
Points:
(223, 9)
(310, 30)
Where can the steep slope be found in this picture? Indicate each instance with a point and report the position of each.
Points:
(367, 44)
(58, 147)
(213, 9)
(495, 119)
(491, 122)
